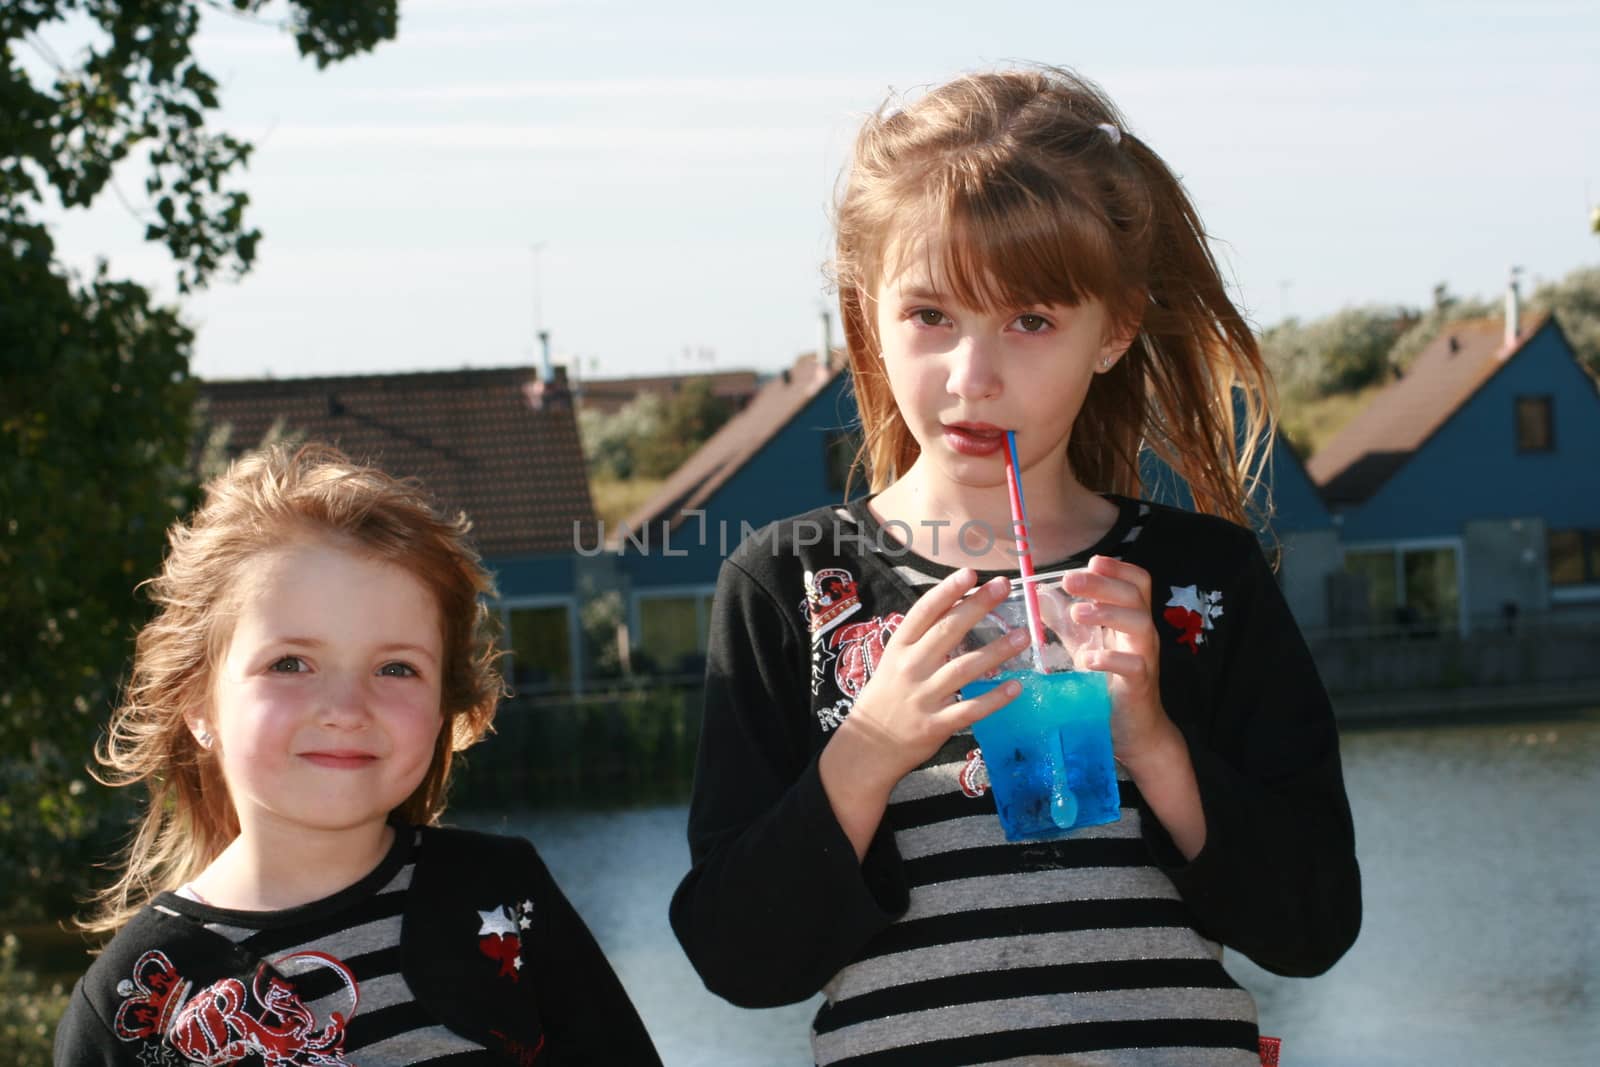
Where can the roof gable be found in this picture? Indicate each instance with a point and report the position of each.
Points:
(773, 407)
(480, 440)
(1362, 456)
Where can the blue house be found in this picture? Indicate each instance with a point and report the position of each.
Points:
(789, 450)
(499, 445)
(1468, 491)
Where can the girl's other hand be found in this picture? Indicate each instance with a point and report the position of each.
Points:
(1118, 598)
(1144, 739)
(911, 705)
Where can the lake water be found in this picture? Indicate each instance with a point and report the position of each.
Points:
(1480, 854)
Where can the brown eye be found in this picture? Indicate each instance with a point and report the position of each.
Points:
(929, 316)
(288, 665)
(1032, 323)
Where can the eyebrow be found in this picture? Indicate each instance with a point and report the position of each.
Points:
(921, 292)
(395, 646)
(405, 647)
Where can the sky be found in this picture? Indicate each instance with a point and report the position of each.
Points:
(651, 182)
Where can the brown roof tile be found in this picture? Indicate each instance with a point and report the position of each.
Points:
(740, 438)
(1401, 418)
(477, 438)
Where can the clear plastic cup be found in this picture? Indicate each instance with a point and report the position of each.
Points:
(1047, 752)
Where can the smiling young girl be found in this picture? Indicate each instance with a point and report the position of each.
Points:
(1011, 257)
(319, 652)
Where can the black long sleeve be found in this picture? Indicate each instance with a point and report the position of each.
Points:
(1277, 879)
(83, 1039)
(588, 1017)
(775, 902)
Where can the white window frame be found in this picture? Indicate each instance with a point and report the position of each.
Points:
(1404, 545)
(702, 594)
(574, 631)
(1577, 592)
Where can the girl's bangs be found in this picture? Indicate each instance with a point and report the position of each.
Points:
(1006, 245)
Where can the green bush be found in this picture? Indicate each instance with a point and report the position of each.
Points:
(653, 434)
(28, 1014)
(627, 746)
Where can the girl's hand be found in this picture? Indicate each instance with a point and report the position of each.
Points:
(1143, 738)
(1118, 598)
(911, 704)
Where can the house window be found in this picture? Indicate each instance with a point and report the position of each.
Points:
(1432, 594)
(672, 632)
(541, 647)
(1411, 587)
(839, 448)
(1574, 556)
(1535, 424)
(1378, 568)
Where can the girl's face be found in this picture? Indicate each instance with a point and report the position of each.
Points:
(962, 376)
(326, 706)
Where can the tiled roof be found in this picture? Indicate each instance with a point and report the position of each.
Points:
(1404, 415)
(478, 439)
(740, 438)
(610, 395)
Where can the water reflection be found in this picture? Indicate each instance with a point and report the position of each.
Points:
(1480, 853)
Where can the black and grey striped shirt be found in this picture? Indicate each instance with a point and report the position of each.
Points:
(1009, 949)
(343, 955)
(949, 945)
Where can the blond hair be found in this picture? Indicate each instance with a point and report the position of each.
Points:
(267, 499)
(1037, 193)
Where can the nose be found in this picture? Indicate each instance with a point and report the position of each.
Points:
(344, 703)
(974, 373)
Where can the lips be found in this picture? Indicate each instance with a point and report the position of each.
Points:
(974, 438)
(340, 760)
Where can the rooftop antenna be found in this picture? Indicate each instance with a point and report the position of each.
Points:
(537, 248)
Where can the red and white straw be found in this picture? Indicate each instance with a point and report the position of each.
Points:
(1019, 522)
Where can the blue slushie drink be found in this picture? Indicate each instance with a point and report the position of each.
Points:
(1048, 752)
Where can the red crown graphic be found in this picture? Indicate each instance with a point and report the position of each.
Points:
(831, 596)
(154, 994)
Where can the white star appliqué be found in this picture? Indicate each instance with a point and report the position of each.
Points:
(1189, 597)
(497, 921)
(1192, 611)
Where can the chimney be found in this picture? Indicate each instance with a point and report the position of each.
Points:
(1513, 309)
(546, 373)
(551, 389)
(825, 341)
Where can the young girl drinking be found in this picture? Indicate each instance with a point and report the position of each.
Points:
(1011, 257)
(320, 649)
